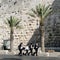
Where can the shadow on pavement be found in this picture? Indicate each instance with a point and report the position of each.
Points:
(11, 59)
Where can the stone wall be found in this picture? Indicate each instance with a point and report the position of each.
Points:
(19, 9)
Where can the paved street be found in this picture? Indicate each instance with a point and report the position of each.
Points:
(7, 57)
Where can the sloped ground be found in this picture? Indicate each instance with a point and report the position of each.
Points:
(5, 57)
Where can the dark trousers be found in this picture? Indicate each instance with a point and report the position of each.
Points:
(27, 52)
(36, 52)
(20, 52)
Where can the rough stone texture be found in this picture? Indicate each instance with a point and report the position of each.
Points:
(19, 9)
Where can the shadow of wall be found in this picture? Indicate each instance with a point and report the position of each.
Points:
(56, 6)
(54, 17)
(54, 40)
(35, 38)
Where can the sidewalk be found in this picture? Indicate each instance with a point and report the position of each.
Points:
(11, 57)
(47, 54)
(42, 54)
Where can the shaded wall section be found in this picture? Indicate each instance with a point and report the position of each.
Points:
(36, 37)
(54, 35)
(54, 21)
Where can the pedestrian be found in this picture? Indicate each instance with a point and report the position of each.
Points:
(36, 49)
(20, 49)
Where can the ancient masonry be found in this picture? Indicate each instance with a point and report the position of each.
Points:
(19, 9)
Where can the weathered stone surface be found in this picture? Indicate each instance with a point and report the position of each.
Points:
(19, 9)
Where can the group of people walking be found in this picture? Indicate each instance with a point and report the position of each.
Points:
(28, 50)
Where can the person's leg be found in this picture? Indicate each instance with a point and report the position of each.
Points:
(36, 52)
(31, 51)
(19, 52)
(26, 52)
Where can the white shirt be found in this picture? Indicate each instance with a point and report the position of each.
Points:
(27, 48)
(21, 47)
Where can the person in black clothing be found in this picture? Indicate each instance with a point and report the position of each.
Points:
(36, 49)
(20, 49)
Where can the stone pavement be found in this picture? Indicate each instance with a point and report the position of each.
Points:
(52, 54)
(10, 57)
(42, 56)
